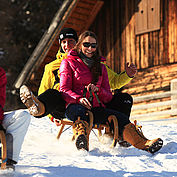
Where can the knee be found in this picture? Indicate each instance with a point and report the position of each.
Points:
(23, 115)
(16, 120)
(53, 91)
(51, 97)
(127, 97)
(76, 110)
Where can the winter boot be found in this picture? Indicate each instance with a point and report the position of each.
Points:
(123, 143)
(138, 140)
(139, 128)
(11, 164)
(81, 134)
(35, 107)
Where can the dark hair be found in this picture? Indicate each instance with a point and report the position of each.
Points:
(96, 68)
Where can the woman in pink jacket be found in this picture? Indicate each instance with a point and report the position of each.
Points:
(82, 75)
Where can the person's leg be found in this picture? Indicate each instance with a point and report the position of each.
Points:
(101, 117)
(49, 102)
(16, 124)
(53, 102)
(77, 113)
(121, 102)
(129, 131)
(74, 111)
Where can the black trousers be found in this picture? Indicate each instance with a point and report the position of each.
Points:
(54, 103)
(121, 102)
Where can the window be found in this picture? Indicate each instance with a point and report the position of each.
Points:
(147, 16)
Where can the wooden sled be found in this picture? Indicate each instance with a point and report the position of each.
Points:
(99, 127)
(3, 158)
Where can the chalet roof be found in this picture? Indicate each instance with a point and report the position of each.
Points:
(77, 14)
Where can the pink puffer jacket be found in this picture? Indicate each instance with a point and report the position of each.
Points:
(75, 75)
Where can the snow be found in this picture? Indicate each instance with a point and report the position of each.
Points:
(43, 155)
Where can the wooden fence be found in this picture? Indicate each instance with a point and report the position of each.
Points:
(156, 106)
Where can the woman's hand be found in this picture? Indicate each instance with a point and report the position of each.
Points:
(92, 87)
(131, 70)
(85, 103)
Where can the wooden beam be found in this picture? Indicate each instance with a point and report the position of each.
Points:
(93, 13)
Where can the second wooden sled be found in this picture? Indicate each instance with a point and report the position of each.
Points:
(3, 157)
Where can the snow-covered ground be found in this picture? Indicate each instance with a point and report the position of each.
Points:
(43, 155)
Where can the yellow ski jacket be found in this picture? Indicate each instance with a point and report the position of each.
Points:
(116, 81)
(48, 78)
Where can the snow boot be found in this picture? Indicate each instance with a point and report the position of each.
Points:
(35, 107)
(136, 138)
(81, 134)
(11, 164)
(123, 143)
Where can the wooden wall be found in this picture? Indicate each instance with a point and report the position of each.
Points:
(115, 28)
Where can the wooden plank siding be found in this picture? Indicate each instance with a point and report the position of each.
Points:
(152, 80)
(145, 50)
(149, 51)
(172, 32)
(114, 22)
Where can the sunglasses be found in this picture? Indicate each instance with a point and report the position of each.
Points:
(88, 44)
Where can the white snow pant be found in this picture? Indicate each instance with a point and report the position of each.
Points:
(16, 124)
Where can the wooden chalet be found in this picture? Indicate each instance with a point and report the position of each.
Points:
(143, 32)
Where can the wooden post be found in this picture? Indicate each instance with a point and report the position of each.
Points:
(173, 86)
(3, 150)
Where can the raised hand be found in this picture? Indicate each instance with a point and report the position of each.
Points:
(131, 70)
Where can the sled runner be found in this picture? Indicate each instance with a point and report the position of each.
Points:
(99, 127)
(3, 148)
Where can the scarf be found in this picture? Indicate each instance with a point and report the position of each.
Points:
(88, 61)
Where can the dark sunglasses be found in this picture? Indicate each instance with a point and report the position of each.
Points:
(88, 44)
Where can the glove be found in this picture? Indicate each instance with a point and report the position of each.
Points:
(2, 128)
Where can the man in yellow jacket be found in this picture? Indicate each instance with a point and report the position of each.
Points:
(48, 91)
(50, 102)
(67, 40)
